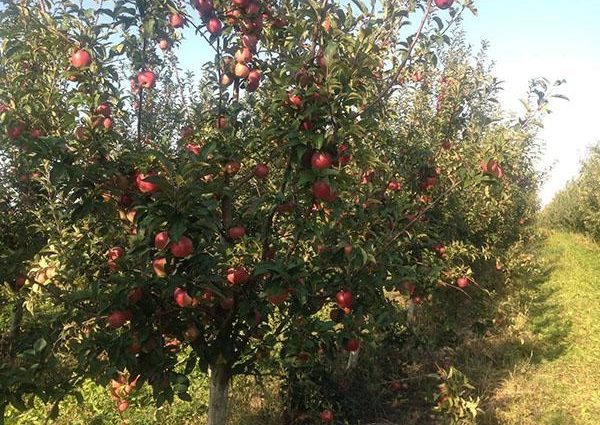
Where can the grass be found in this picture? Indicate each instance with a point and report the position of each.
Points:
(544, 367)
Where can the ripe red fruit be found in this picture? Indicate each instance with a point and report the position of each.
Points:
(15, 131)
(462, 282)
(428, 183)
(243, 55)
(352, 345)
(440, 249)
(163, 44)
(214, 26)
(176, 20)
(205, 7)
(396, 386)
(115, 253)
(182, 248)
(326, 416)
(107, 123)
(161, 240)
(295, 100)
(191, 333)
(444, 4)
(321, 190)
(285, 208)
(232, 167)
(250, 41)
(81, 59)
(158, 265)
(241, 70)
(254, 76)
(321, 160)
(118, 318)
(143, 185)
(225, 80)
(344, 299)
(252, 8)
(135, 295)
(236, 232)
(261, 171)
(193, 148)
(20, 281)
(277, 299)
(240, 3)
(394, 185)
(306, 126)
(146, 79)
(104, 109)
(182, 298)
(238, 276)
(221, 122)
(123, 405)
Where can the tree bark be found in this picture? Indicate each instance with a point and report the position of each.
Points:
(220, 376)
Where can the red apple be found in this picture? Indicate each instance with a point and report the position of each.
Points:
(352, 345)
(444, 4)
(214, 26)
(277, 299)
(161, 240)
(183, 299)
(344, 299)
(394, 185)
(158, 265)
(144, 185)
(321, 160)
(104, 109)
(182, 248)
(254, 76)
(146, 79)
(20, 281)
(115, 253)
(176, 20)
(226, 80)
(321, 190)
(81, 59)
(295, 100)
(261, 171)
(221, 122)
(205, 7)
(250, 41)
(241, 70)
(237, 232)
(462, 282)
(232, 167)
(252, 8)
(243, 55)
(191, 333)
(163, 44)
(135, 295)
(326, 416)
(238, 276)
(107, 123)
(118, 318)
(15, 131)
(193, 148)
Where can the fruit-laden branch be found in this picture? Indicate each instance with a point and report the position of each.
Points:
(393, 81)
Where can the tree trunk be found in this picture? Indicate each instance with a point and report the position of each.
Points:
(218, 394)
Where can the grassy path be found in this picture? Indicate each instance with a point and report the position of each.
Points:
(559, 382)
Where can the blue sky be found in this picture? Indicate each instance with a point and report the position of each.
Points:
(555, 39)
